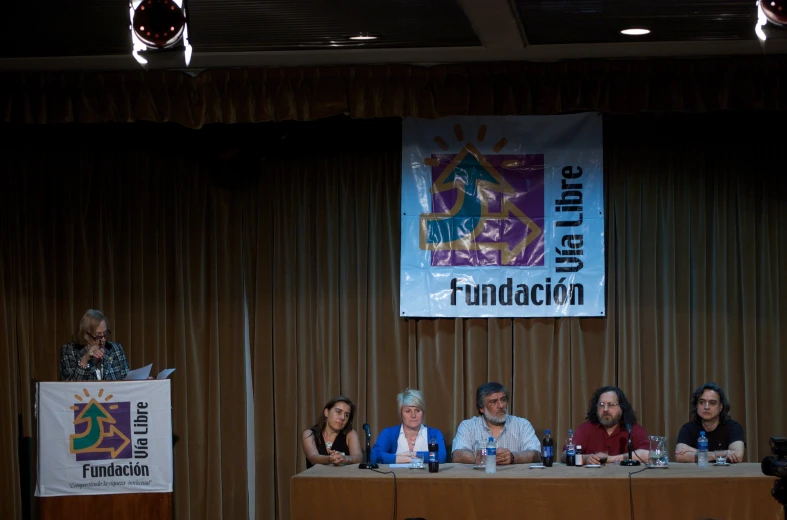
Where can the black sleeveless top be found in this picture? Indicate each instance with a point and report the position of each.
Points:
(339, 444)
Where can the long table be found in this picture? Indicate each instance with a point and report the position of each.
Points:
(681, 491)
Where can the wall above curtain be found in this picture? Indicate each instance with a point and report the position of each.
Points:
(258, 95)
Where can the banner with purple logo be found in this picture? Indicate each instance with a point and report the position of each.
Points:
(503, 216)
(104, 437)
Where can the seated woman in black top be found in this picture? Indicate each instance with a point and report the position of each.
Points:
(710, 412)
(333, 438)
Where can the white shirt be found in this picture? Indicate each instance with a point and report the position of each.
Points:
(421, 442)
(517, 435)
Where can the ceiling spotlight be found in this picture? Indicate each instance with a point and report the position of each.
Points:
(635, 32)
(158, 25)
(773, 11)
(363, 36)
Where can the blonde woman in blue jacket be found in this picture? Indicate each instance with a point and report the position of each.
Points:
(397, 443)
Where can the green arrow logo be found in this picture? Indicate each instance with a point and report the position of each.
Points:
(94, 415)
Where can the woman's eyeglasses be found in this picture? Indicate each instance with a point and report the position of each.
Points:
(99, 337)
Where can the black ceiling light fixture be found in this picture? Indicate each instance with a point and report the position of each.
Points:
(773, 11)
(157, 27)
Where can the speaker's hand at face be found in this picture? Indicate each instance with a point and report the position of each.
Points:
(96, 351)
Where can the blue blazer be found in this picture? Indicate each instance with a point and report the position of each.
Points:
(384, 450)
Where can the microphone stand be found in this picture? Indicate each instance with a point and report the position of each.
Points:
(367, 464)
(630, 461)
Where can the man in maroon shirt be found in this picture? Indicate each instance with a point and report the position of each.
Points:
(604, 431)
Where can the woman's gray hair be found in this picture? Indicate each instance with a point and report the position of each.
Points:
(88, 324)
(411, 397)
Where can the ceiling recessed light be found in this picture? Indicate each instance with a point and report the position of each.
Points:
(635, 32)
(363, 36)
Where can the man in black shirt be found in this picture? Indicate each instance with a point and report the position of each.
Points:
(710, 412)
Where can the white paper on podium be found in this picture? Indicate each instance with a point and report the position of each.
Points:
(139, 373)
(165, 373)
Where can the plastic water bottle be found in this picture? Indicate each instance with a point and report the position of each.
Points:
(571, 452)
(491, 456)
(546, 450)
(702, 451)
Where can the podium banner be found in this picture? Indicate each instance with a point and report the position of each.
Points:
(503, 216)
(104, 437)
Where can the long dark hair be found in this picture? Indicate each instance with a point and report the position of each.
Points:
(629, 416)
(725, 404)
(322, 420)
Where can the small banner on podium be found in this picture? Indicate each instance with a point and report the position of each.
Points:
(104, 437)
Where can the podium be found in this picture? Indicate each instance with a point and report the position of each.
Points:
(104, 449)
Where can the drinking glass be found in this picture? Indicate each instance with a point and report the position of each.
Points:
(602, 458)
(721, 456)
(479, 454)
(658, 456)
(416, 460)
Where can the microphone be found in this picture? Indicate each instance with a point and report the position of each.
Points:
(100, 364)
(367, 464)
(630, 461)
(95, 365)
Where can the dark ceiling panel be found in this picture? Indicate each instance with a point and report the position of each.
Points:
(600, 21)
(57, 28)
(249, 25)
(100, 27)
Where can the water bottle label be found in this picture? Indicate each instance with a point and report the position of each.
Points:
(491, 452)
(546, 452)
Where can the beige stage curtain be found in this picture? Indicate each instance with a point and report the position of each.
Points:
(693, 283)
(695, 208)
(321, 261)
(91, 221)
(311, 238)
(367, 91)
(10, 485)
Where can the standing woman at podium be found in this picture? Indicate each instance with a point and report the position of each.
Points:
(91, 356)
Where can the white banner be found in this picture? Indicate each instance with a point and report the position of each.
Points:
(104, 437)
(503, 216)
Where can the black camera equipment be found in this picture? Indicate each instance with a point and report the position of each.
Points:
(776, 466)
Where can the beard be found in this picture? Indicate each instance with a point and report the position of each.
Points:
(608, 420)
(493, 419)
